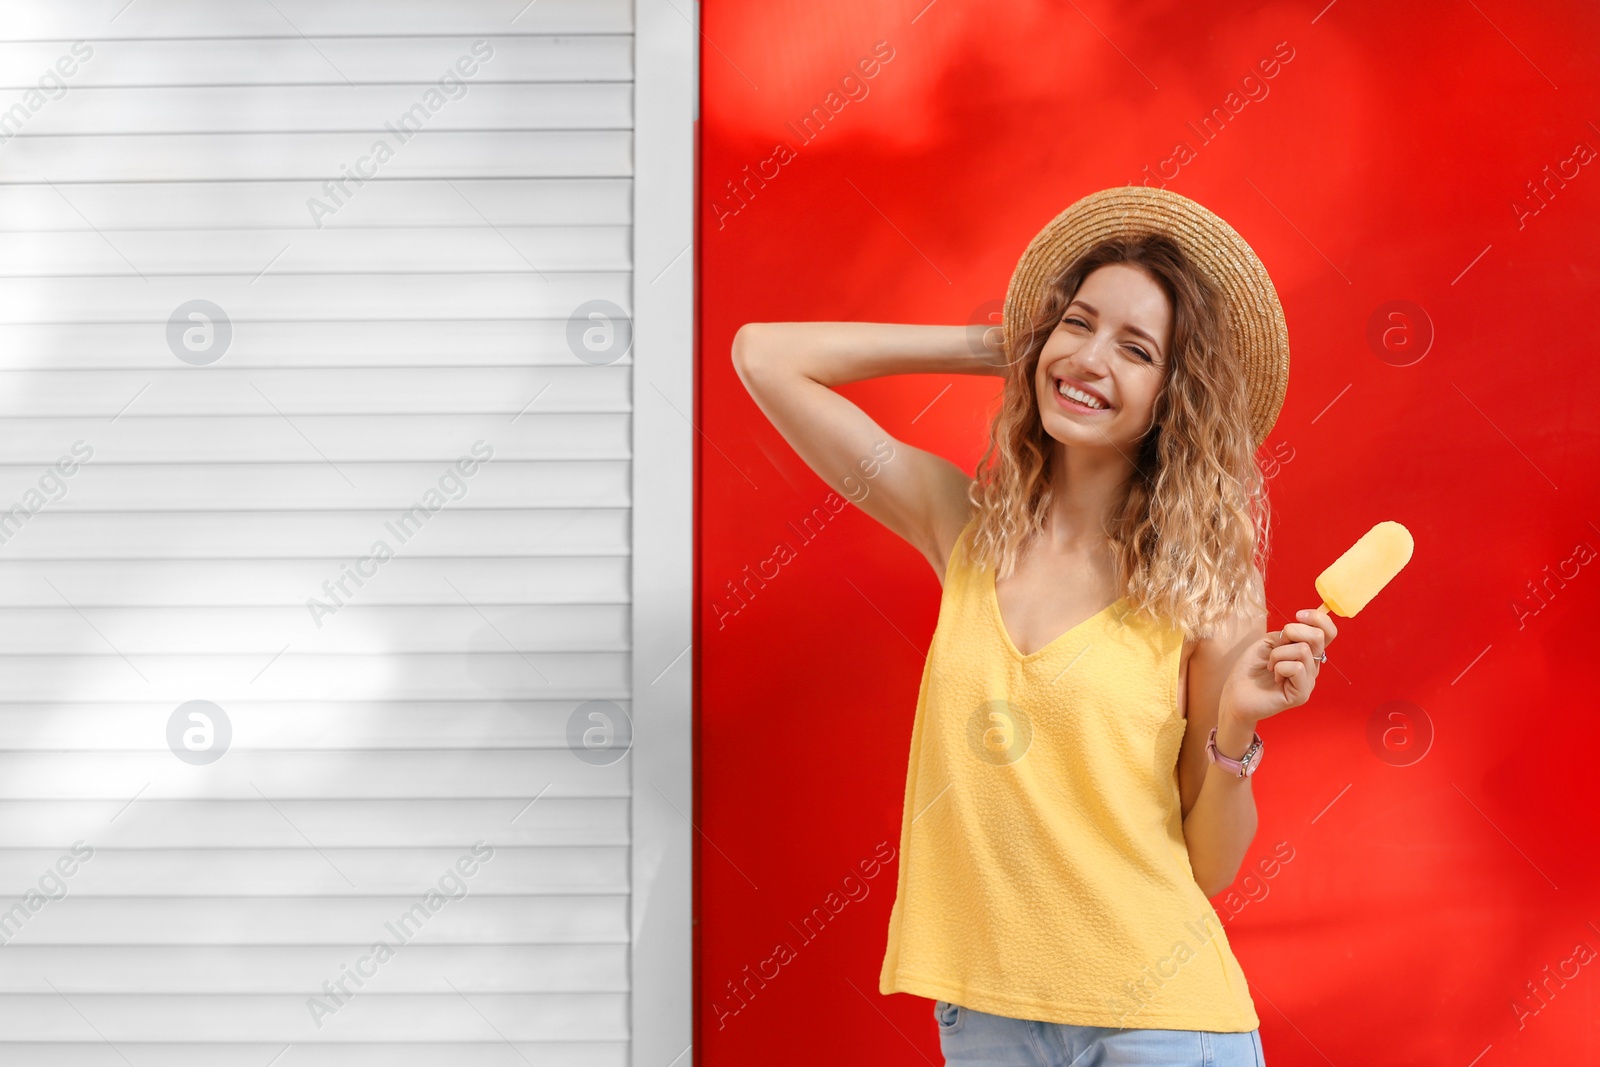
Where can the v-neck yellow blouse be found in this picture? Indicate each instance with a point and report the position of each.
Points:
(1043, 870)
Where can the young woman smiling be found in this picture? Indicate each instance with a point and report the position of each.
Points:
(1079, 776)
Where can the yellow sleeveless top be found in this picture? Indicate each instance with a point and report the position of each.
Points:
(1043, 870)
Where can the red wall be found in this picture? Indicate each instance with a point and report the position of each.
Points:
(1439, 865)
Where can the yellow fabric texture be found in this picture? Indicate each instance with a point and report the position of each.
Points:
(1043, 870)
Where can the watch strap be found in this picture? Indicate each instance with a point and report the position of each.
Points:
(1245, 765)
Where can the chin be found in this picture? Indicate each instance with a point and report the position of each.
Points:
(1066, 431)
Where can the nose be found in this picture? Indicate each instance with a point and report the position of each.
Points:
(1089, 362)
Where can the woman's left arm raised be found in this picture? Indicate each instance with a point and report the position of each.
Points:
(1237, 678)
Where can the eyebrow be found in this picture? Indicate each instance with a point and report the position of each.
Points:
(1091, 309)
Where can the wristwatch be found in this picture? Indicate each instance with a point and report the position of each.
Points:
(1245, 765)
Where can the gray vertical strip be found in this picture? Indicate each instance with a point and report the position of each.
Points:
(665, 88)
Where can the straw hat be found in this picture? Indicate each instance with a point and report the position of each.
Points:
(1257, 331)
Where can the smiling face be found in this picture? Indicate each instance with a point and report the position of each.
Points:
(1113, 344)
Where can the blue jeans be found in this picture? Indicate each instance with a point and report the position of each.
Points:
(967, 1036)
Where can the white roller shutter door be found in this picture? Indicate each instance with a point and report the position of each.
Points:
(303, 429)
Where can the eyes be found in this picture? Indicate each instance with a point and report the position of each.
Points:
(1145, 356)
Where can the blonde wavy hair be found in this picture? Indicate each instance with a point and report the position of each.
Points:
(1190, 533)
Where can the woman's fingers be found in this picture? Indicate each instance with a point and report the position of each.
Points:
(1294, 659)
(1318, 620)
(1294, 653)
(1304, 633)
(1299, 652)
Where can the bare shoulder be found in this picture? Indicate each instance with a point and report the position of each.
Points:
(1206, 661)
(1232, 635)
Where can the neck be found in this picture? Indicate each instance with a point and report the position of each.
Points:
(1086, 485)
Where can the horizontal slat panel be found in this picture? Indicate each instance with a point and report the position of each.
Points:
(596, 1053)
(407, 579)
(267, 438)
(460, 104)
(248, 775)
(290, 61)
(117, 19)
(323, 871)
(316, 485)
(231, 535)
(117, 207)
(512, 821)
(546, 294)
(232, 156)
(295, 674)
(317, 725)
(220, 390)
(259, 920)
(303, 969)
(436, 249)
(368, 1017)
(323, 345)
(354, 629)
(433, 710)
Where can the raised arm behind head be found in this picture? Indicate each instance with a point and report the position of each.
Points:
(791, 369)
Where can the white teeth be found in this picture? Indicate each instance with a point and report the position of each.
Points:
(1079, 395)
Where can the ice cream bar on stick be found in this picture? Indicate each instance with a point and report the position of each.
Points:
(1365, 568)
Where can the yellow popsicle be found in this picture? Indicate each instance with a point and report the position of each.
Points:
(1365, 568)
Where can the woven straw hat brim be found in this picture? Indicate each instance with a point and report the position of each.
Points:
(1258, 334)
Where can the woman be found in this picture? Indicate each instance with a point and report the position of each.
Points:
(1079, 778)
